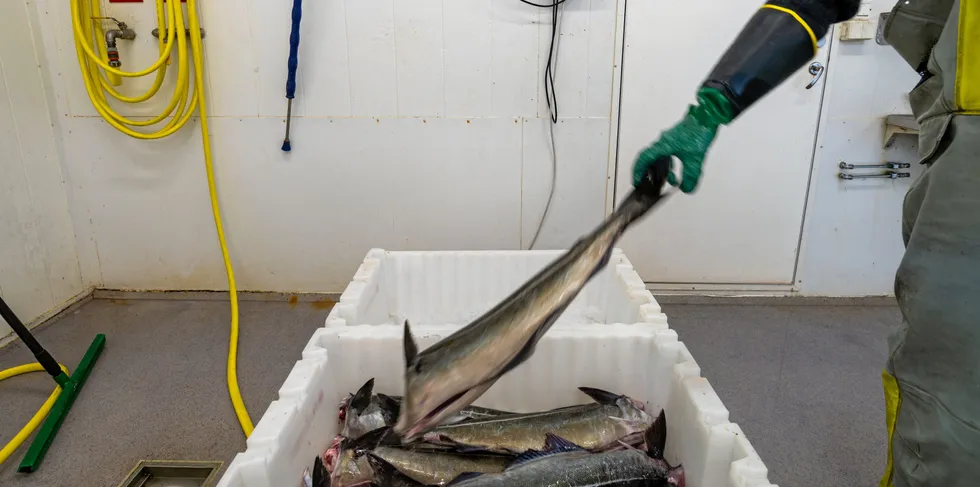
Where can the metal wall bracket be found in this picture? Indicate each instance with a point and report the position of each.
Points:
(899, 125)
(156, 33)
(883, 175)
(884, 165)
(880, 32)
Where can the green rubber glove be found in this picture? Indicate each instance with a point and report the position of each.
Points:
(689, 140)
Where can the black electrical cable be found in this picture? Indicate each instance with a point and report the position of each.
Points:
(549, 71)
(551, 99)
(550, 5)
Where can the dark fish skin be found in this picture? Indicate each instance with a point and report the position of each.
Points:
(386, 475)
(437, 468)
(574, 467)
(457, 370)
(594, 426)
(354, 465)
(628, 468)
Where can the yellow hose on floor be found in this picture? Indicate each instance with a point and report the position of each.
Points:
(170, 19)
(39, 416)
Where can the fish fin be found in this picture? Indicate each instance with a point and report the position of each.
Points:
(463, 477)
(554, 443)
(321, 478)
(600, 396)
(384, 471)
(370, 440)
(362, 398)
(411, 348)
(656, 436)
(527, 456)
(389, 405)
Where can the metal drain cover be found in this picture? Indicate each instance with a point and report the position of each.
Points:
(169, 473)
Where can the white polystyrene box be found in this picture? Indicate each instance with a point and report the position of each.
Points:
(438, 292)
(442, 288)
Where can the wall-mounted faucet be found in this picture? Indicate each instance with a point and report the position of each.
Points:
(122, 31)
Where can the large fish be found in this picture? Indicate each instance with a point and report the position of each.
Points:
(354, 468)
(611, 421)
(457, 370)
(364, 411)
(432, 467)
(566, 465)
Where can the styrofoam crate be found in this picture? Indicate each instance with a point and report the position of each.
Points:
(646, 362)
(455, 287)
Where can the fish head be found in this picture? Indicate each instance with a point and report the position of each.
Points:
(351, 469)
(332, 455)
(429, 400)
(633, 411)
(433, 393)
(351, 466)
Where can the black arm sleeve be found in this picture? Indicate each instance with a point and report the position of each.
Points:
(778, 40)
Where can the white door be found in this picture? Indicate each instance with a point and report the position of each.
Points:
(743, 224)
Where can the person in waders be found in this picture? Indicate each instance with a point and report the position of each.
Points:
(932, 374)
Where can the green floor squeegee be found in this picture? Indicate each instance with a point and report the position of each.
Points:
(70, 385)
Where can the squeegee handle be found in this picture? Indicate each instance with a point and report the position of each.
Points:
(294, 49)
(43, 357)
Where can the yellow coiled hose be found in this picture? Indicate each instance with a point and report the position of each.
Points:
(39, 416)
(170, 19)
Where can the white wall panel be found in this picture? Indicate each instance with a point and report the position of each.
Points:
(467, 55)
(269, 25)
(323, 57)
(300, 224)
(409, 133)
(38, 262)
(580, 190)
(513, 59)
(419, 48)
(371, 54)
(232, 84)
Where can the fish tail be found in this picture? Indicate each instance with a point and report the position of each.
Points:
(656, 437)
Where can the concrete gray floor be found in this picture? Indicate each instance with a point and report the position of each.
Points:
(802, 381)
(158, 391)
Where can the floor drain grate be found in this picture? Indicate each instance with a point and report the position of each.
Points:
(169, 473)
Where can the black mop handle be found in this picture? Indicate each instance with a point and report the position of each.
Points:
(43, 357)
